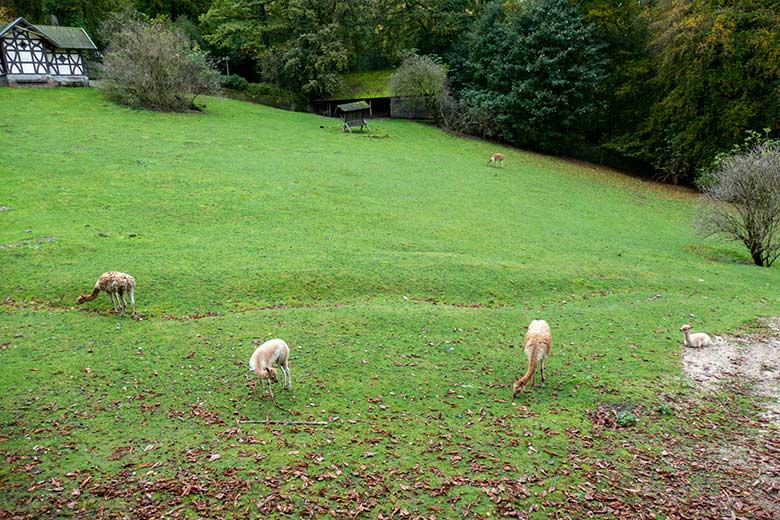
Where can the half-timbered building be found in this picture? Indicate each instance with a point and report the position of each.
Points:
(43, 54)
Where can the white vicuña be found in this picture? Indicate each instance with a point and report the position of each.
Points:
(697, 339)
(274, 351)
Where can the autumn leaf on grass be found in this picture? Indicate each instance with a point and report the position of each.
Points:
(120, 452)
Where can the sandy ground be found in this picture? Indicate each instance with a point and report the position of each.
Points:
(753, 358)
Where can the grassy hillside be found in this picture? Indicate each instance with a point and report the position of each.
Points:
(374, 84)
(400, 269)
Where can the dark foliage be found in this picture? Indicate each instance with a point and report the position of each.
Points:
(710, 72)
(532, 74)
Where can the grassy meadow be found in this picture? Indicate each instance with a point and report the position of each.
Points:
(402, 272)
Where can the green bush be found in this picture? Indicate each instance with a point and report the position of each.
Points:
(272, 95)
(150, 64)
(625, 419)
(234, 82)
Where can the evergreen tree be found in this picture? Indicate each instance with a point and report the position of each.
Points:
(532, 73)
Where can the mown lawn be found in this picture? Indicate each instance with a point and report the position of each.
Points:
(400, 269)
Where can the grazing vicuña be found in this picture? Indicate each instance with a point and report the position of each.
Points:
(538, 341)
(496, 159)
(262, 361)
(115, 284)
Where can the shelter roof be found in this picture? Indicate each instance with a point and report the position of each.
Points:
(62, 37)
(352, 107)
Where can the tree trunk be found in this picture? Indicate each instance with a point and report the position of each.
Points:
(758, 257)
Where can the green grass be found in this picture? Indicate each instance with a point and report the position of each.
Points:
(357, 85)
(401, 270)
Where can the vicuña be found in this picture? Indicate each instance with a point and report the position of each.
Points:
(496, 159)
(697, 339)
(538, 341)
(116, 285)
(262, 361)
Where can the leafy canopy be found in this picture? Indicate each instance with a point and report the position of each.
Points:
(532, 73)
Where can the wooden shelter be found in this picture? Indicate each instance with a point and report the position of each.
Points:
(372, 87)
(354, 114)
(43, 54)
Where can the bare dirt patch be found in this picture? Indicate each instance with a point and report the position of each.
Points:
(747, 363)
(713, 452)
(753, 359)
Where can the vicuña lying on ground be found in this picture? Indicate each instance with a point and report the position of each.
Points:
(538, 341)
(116, 285)
(263, 359)
(697, 339)
(496, 159)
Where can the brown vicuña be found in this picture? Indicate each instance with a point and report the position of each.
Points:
(496, 159)
(116, 285)
(538, 341)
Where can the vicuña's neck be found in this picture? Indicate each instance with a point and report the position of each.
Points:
(531, 367)
(93, 295)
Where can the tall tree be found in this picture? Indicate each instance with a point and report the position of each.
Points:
(532, 73)
(299, 44)
(324, 34)
(427, 26)
(713, 71)
(173, 8)
(244, 30)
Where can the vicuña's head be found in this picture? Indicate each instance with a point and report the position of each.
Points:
(518, 387)
(685, 327)
(81, 299)
(267, 373)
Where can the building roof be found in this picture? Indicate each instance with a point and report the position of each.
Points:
(62, 37)
(352, 107)
(67, 37)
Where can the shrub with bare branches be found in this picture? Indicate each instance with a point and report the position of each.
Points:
(151, 64)
(742, 201)
(424, 79)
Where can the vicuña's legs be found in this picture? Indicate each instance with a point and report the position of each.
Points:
(132, 298)
(114, 302)
(124, 301)
(542, 370)
(286, 377)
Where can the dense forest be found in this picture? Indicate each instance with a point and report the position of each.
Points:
(660, 87)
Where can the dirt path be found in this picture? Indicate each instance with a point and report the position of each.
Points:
(753, 359)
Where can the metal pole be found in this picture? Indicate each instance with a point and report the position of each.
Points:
(227, 65)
